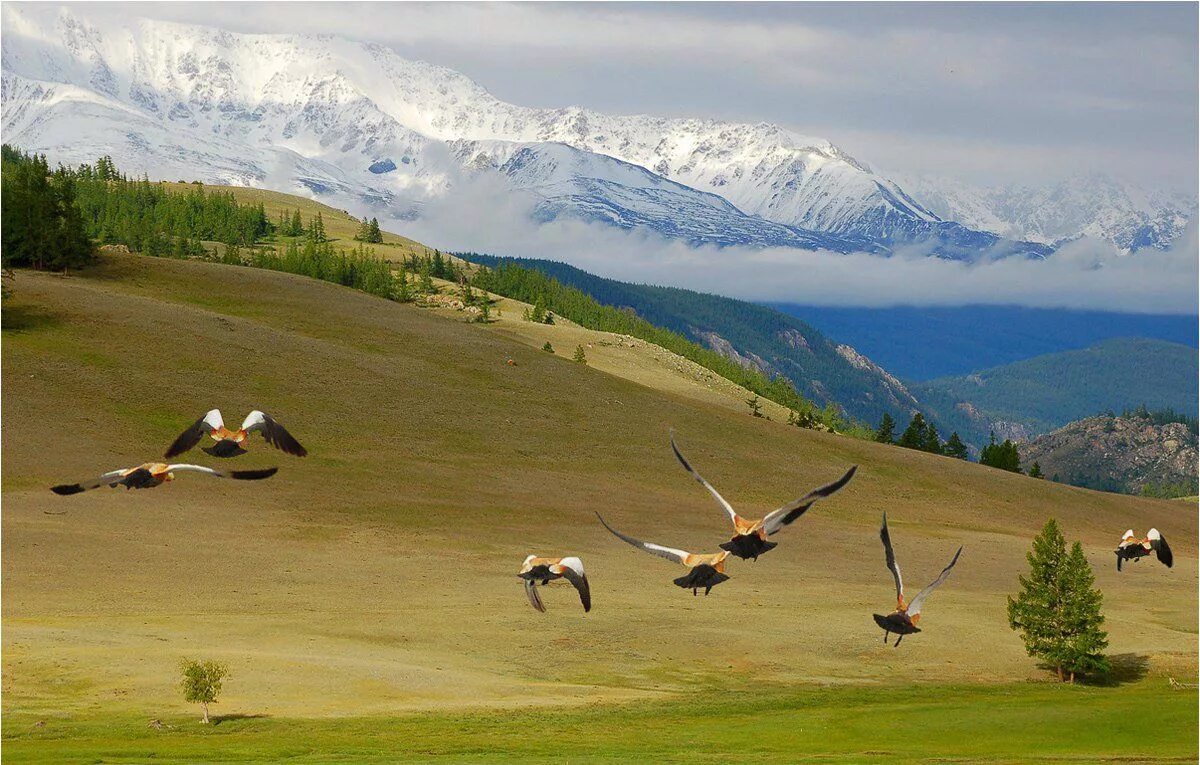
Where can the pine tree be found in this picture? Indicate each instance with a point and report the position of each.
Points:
(956, 448)
(1083, 620)
(1004, 456)
(579, 356)
(297, 227)
(363, 234)
(374, 235)
(755, 406)
(316, 229)
(886, 432)
(933, 443)
(548, 348)
(914, 436)
(1057, 610)
(1035, 470)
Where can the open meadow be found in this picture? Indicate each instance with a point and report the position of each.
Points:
(366, 598)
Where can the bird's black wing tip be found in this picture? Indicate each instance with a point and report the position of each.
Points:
(253, 475)
(67, 489)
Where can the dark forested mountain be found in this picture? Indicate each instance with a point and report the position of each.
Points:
(1036, 395)
(925, 342)
(754, 335)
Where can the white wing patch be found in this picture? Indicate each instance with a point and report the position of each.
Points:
(185, 468)
(213, 419)
(254, 421)
(573, 563)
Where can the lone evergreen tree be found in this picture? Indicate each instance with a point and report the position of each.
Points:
(548, 348)
(886, 433)
(1057, 610)
(914, 436)
(755, 406)
(202, 682)
(579, 356)
(955, 447)
(374, 235)
(1035, 470)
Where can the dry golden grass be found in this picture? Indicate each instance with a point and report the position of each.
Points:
(378, 574)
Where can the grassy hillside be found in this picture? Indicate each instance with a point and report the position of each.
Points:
(340, 226)
(376, 577)
(1046, 392)
(759, 336)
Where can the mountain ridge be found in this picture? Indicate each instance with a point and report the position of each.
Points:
(356, 119)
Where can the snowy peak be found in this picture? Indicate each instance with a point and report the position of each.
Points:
(339, 117)
(1092, 205)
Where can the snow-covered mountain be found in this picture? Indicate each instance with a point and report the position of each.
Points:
(357, 121)
(1094, 205)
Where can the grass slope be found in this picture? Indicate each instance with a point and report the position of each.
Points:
(1047, 392)
(376, 577)
(761, 336)
(340, 226)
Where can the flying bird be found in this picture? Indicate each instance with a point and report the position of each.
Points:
(541, 571)
(903, 621)
(707, 571)
(750, 536)
(1134, 549)
(229, 442)
(153, 474)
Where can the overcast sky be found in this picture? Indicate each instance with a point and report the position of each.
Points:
(986, 92)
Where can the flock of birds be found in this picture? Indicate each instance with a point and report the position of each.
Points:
(750, 540)
(705, 570)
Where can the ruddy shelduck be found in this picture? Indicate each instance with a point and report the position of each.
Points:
(706, 571)
(903, 621)
(152, 474)
(750, 536)
(1134, 549)
(539, 572)
(230, 443)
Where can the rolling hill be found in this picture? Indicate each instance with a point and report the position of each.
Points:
(1046, 392)
(366, 597)
(822, 370)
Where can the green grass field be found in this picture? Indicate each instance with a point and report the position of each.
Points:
(1012, 723)
(366, 601)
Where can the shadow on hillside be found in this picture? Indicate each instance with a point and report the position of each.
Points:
(1126, 668)
(218, 719)
(23, 318)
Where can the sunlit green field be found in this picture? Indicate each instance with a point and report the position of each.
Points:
(365, 598)
(1010, 723)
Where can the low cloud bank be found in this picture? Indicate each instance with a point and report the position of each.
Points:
(485, 216)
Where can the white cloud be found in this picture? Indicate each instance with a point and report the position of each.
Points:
(1004, 92)
(1086, 274)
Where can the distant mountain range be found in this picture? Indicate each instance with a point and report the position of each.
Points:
(918, 343)
(1039, 394)
(1094, 205)
(363, 128)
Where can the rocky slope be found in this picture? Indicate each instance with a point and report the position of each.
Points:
(1125, 454)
